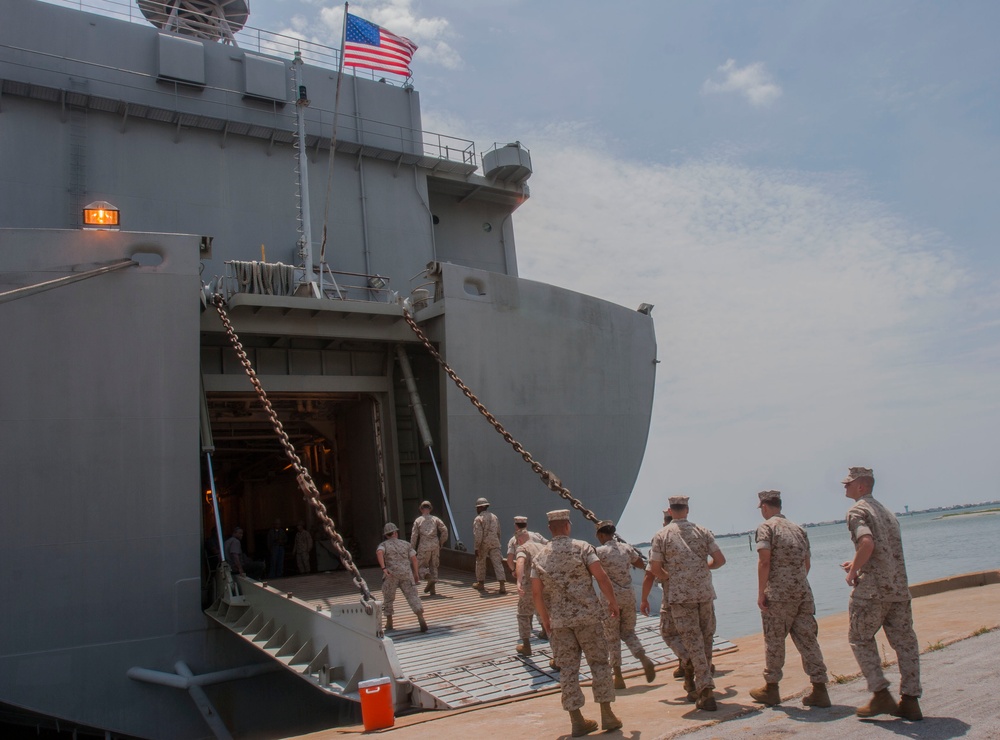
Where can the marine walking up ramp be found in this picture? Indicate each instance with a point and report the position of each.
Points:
(466, 658)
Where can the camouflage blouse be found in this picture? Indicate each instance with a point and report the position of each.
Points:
(883, 577)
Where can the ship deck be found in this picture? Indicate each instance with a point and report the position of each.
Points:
(467, 656)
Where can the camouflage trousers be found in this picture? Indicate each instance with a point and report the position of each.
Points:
(525, 611)
(668, 631)
(389, 585)
(795, 618)
(896, 620)
(428, 560)
(492, 552)
(567, 644)
(695, 625)
(622, 629)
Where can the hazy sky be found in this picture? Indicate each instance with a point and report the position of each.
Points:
(807, 192)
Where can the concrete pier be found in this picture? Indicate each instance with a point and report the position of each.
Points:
(953, 610)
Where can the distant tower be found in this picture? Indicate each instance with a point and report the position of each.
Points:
(907, 508)
(214, 20)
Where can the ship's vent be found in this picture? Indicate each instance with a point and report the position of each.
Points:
(181, 60)
(510, 163)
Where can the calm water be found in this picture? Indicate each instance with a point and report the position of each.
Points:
(935, 547)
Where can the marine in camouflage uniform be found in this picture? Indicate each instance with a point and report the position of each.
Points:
(786, 603)
(880, 599)
(562, 575)
(521, 522)
(525, 549)
(667, 629)
(399, 570)
(486, 541)
(428, 536)
(683, 549)
(617, 559)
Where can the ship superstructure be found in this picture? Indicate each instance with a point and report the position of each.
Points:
(118, 377)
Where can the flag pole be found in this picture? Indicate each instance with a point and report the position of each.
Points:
(333, 141)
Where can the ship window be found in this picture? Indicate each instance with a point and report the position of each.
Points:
(436, 220)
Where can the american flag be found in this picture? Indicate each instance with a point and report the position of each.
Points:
(372, 47)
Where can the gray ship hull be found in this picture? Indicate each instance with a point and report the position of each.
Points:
(113, 386)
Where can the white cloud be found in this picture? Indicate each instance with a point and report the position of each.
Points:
(800, 325)
(753, 82)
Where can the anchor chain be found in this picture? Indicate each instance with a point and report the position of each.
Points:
(305, 481)
(548, 477)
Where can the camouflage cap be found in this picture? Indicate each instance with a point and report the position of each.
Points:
(482, 502)
(426, 505)
(389, 528)
(520, 520)
(856, 473)
(605, 523)
(769, 497)
(678, 500)
(558, 515)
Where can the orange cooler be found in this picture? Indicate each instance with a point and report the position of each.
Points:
(376, 703)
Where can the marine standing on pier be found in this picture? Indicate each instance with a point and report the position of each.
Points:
(429, 535)
(786, 603)
(618, 559)
(526, 550)
(880, 599)
(684, 549)
(562, 577)
(667, 629)
(521, 522)
(399, 570)
(486, 541)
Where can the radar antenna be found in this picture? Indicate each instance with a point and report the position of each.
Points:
(214, 20)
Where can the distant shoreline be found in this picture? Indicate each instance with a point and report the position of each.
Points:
(958, 510)
(985, 512)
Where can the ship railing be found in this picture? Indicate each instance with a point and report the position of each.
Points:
(354, 286)
(248, 37)
(213, 110)
(275, 278)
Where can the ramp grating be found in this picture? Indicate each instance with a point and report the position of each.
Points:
(467, 657)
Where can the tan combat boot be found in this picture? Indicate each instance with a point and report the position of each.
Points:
(648, 667)
(581, 726)
(431, 588)
(503, 587)
(679, 670)
(423, 623)
(388, 623)
(689, 682)
(479, 586)
(909, 708)
(619, 678)
(524, 648)
(880, 703)
(767, 694)
(706, 700)
(427, 588)
(818, 698)
(608, 719)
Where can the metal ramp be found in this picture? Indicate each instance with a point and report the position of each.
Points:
(467, 657)
(333, 647)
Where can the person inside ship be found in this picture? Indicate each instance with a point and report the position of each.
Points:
(277, 538)
(429, 535)
(239, 561)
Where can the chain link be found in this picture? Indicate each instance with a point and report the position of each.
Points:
(548, 477)
(305, 481)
